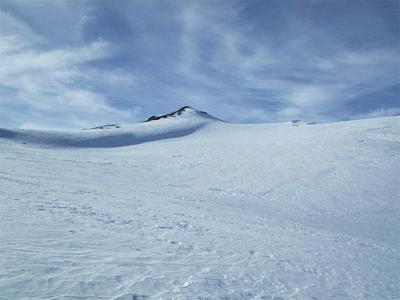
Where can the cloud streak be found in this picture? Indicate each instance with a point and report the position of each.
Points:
(243, 61)
(52, 82)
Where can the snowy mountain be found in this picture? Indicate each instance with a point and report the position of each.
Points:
(177, 124)
(185, 111)
(192, 207)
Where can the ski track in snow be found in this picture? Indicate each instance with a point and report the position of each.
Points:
(228, 212)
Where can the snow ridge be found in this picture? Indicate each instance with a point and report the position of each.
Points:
(186, 111)
(177, 124)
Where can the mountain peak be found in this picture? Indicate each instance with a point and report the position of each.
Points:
(185, 110)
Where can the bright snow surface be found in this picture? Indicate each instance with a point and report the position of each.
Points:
(190, 207)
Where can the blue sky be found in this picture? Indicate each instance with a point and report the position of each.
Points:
(74, 64)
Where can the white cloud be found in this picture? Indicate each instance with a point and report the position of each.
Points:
(311, 95)
(15, 32)
(216, 60)
(27, 59)
(296, 75)
(290, 112)
(44, 81)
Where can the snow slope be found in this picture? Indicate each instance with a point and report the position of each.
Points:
(196, 208)
(115, 135)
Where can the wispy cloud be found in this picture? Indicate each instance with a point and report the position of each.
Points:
(73, 64)
(38, 82)
(298, 77)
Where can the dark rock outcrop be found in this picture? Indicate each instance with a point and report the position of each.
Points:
(173, 114)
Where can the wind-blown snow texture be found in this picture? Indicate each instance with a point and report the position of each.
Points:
(205, 210)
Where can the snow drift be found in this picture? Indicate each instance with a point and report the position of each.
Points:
(206, 210)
